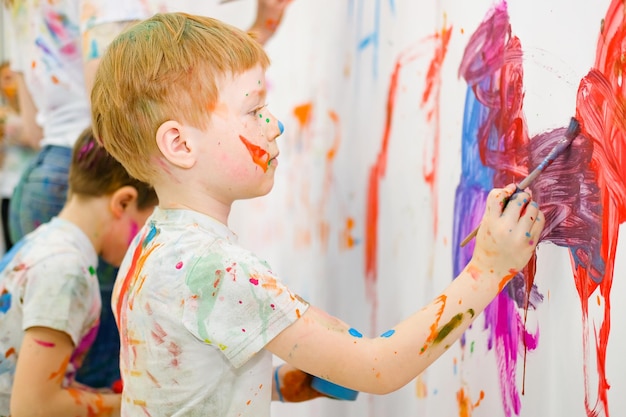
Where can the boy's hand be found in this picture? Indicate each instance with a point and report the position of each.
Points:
(508, 235)
(295, 385)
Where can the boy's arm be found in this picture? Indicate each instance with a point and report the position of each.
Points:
(269, 14)
(325, 346)
(37, 387)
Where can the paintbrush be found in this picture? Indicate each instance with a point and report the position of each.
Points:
(573, 130)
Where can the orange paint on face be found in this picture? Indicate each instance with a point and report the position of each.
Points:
(259, 155)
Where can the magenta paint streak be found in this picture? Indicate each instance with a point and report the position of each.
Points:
(45, 344)
(492, 67)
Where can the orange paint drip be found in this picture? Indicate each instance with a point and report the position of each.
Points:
(258, 154)
(303, 113)
(466, 408)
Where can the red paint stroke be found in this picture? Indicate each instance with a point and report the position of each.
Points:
(600, 109)
(44, 343)
(259, 155)
(431, 100)
(377, 171)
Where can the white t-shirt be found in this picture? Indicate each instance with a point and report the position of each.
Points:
(195, 312)
(45, 47)
(47, 279)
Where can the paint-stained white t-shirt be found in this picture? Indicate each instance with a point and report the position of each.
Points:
(195, 311)
(48, 279)
(46, 47)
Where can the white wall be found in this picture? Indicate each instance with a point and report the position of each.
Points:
(321, 58)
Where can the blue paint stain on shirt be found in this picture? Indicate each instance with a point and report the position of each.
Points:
(5, 302)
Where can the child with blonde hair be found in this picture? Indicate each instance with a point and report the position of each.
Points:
(179, 100)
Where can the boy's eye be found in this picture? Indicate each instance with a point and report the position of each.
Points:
(258, 110)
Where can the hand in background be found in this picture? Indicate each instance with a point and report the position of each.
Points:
(268, 17)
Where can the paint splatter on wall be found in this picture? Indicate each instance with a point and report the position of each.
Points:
(399, 119)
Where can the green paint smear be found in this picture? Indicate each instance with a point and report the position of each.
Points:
(451, 325)
(203, 288)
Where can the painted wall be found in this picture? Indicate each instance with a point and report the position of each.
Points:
(400, 115)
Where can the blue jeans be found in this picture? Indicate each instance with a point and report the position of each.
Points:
(41, 192)
(39, 196)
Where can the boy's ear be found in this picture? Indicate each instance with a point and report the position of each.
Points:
(121, 199)
(174, 145)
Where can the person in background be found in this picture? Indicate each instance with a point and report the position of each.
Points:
(56, 49)
(17, 152)
(201, 317)
(50, 298)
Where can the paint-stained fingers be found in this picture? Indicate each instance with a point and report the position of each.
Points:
(527, 218)
(516, 206)
(496, 200)
(537, 225)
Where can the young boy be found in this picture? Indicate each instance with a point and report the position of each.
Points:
(179, 100)
(49, 296)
